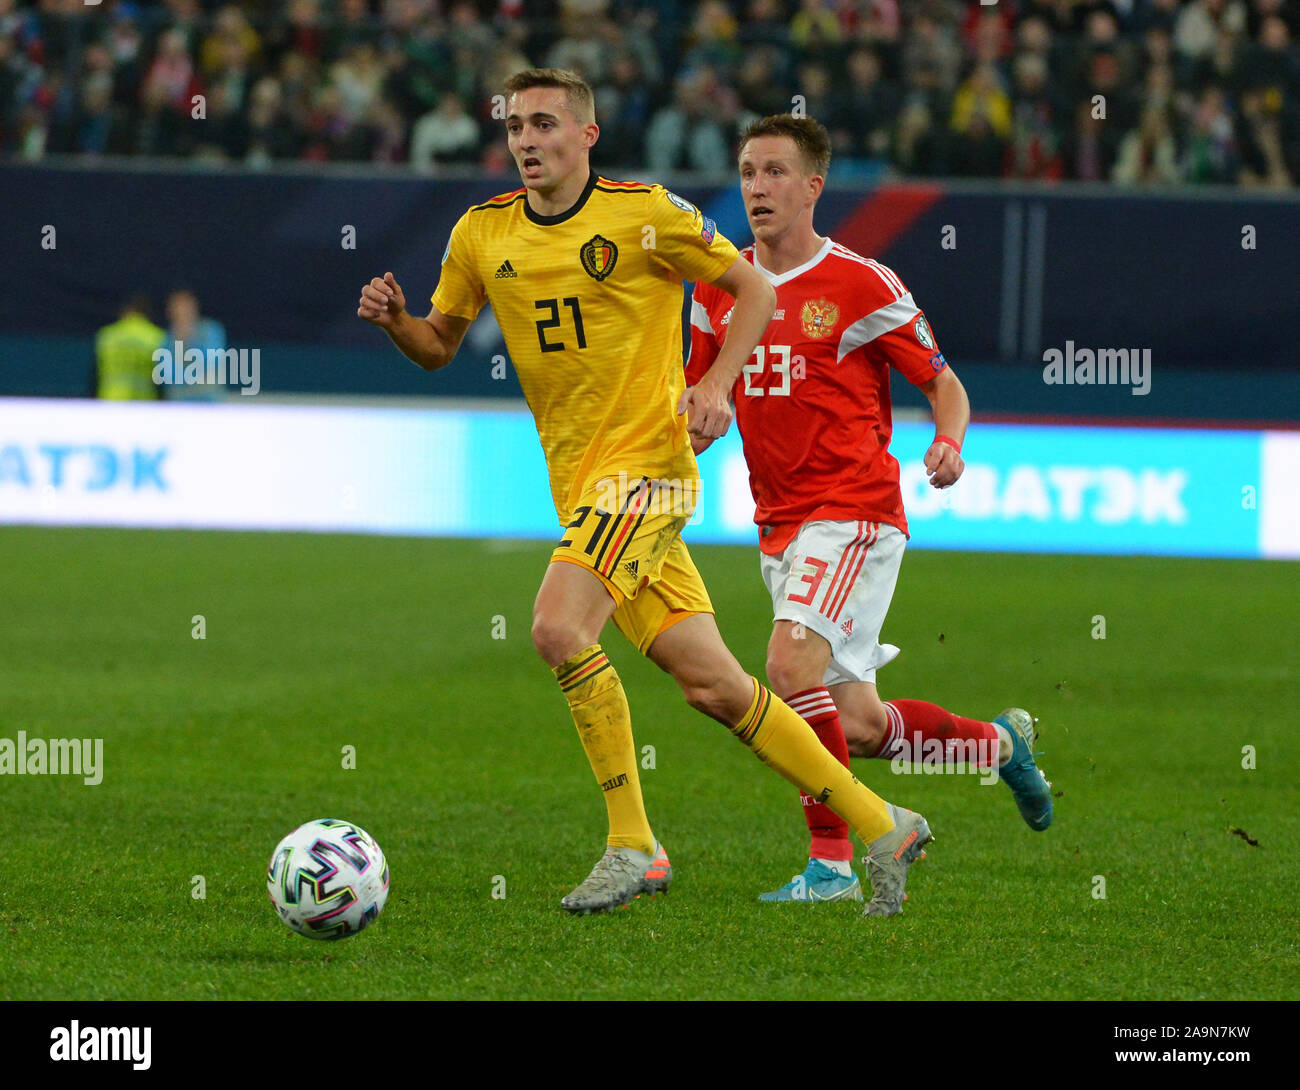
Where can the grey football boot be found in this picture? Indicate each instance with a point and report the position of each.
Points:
(620, 875)
(888, 858)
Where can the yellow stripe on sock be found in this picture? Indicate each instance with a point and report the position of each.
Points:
(780, 737)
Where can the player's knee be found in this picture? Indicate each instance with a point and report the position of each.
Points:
(787, 674)
(722, 698)
(864, 730)
(555, 638)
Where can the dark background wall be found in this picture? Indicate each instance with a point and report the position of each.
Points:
(1031, 269)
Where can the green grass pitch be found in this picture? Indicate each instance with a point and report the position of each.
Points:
(468, 768)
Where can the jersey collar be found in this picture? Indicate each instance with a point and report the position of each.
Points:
(776, 281)
(551, 221)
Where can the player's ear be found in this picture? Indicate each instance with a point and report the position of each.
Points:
(590, 134)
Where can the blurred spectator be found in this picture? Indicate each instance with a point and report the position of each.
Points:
(1093, 144)
(351, 26)
(230, 29)
(623, 111)
(446, 134)
(815, 27)
(932, 48)
(1259, 136)
(1210, 157)
(919, 140)
(271, 132)
(813, 89)
(865, 110)
(877, 24)
(302, 31)
(688, 133)
(761, 84)
(713, 39)
(358, 78)
(1148, 154)
(172, 81)
(124, 354)
(981, 120)
(186, 325)
(583, 49)
(1037, 120)
(988, 32)
(223, 135)
(764, 24)
(1199, 22)
(387, 131)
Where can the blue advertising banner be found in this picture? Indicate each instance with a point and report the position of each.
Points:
(453, 472)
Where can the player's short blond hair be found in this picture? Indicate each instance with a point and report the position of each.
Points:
(578, 95)
(809, 136)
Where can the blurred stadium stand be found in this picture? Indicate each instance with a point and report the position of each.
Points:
(1196, 91)
(1124, 230)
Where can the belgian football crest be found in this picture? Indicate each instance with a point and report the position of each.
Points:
(599, 256)
(818, 318)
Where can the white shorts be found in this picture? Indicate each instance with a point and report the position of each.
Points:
(837, 579)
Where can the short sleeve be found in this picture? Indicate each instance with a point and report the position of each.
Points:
(705, 343)
(459, 293)
(910, 349)
(686, 240)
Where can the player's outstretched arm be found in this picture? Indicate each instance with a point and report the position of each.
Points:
(709, 401)
(951, 408)
(429, 343)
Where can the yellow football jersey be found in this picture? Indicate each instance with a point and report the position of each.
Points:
(590, 305)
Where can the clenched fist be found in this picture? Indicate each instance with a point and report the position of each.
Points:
(382, 301)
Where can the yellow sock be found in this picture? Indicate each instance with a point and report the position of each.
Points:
(780, 737)
(604, 723)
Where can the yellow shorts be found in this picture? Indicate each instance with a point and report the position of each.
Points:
(638, 553)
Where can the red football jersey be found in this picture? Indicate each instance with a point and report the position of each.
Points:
(812, 403)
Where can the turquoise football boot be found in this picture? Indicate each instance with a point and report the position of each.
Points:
(817, 883)
(1029, 787)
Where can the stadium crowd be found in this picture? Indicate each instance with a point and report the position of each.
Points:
(1130, 91)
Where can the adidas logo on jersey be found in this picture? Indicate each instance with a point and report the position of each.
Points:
(630, 568)
(778, 315)
(847, 627)
(507, 271)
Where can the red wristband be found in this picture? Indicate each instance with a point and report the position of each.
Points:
(951, 442)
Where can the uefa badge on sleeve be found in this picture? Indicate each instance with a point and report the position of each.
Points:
(922, 331)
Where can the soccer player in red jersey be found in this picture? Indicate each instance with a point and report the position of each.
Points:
(813, 409)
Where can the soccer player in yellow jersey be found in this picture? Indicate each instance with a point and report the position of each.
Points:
(585, 277)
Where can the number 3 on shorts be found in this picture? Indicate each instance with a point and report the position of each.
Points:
(813, 581)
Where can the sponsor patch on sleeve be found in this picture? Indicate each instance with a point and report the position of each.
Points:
(708, 230)
(937, 362)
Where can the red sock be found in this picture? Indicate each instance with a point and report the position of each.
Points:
(917, 722)
(830, 832)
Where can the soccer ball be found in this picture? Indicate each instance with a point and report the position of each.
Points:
(328, 879)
